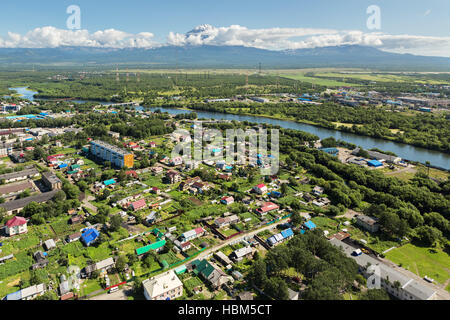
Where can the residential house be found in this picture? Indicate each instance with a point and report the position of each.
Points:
(27, 293)
(76, 219)
(17, 225)
(173, 176)
(220, 256)
(183, 246)
(192, 234)
(138, 205)
(260, 188)
(240, 254)
(226, 221)
(267, 207)
(89, 236)
(157, 170)
(318, 190)
(166, 286)
(280, 237)
(74, 237)
(210, 273)
(102, 266)
(227, 200)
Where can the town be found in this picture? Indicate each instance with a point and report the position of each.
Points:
(90, 212)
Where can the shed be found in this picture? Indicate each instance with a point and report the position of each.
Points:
(374, 163)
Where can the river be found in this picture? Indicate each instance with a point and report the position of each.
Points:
(405, 151)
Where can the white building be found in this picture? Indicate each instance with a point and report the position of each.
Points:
(394, 282)
(166, 286)
(16, 225)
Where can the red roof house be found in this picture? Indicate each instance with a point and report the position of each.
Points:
(138, 205)
(267, 207)
(132, 173)
(15, 222)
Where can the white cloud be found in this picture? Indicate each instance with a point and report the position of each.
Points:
(269, 38)
(427, 12)
(50, 37)
(301, 38)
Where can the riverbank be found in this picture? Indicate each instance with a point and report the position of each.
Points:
(342, 128)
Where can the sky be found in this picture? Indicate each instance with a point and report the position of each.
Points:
(405, 26)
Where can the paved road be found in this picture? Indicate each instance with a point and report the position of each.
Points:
(250, 234)
(118, 295)
(89, 205)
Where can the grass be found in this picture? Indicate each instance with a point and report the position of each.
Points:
(322, 82)
(433, 263)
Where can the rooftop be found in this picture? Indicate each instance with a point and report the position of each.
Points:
(110, 147)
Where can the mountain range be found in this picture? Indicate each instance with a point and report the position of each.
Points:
(210, 56)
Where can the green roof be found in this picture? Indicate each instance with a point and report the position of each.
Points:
(152, 246)
(203, 267)
(75, 166)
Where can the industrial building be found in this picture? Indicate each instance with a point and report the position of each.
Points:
(118, 157)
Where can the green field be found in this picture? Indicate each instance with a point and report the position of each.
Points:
(321, 82)
(422, 261)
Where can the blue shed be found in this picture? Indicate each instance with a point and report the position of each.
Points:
(374, 163)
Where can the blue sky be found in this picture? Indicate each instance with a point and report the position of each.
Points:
(398, 17)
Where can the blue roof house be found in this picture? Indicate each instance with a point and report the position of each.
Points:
(310, 225)
(288, 233)
(89, 236)
(109, 182)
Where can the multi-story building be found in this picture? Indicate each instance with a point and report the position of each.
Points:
(394, 282)
(51, 180)
(368, 223)
(118, 157)
(166, 286)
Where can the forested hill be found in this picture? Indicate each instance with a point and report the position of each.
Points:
(224, 57)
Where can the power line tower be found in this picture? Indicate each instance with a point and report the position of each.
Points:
(246, 83)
